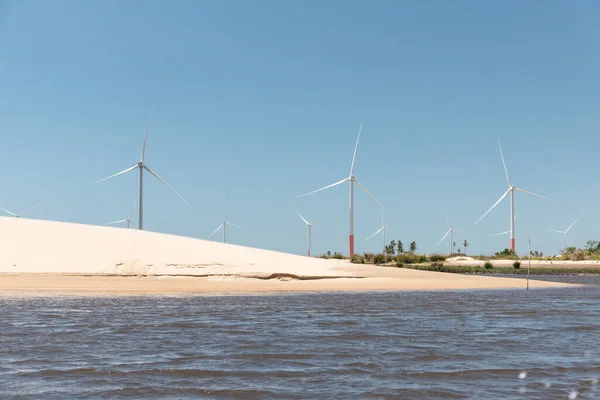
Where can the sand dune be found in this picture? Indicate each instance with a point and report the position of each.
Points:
(45, 256)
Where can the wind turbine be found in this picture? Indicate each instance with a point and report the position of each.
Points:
(382, 229)
(566, 233)
(127, 220)
(352, 180)
(511, 190)
(449, 232)
(224, 225)
(309, 225)
(23, 213)
(142, 166)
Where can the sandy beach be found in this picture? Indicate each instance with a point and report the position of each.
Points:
(46, 257)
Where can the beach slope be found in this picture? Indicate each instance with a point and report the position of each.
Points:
(56, 257)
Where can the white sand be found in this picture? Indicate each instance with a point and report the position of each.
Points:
(54, 257)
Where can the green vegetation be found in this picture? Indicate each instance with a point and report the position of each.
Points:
(468, 269)
(488, 265)
(517, 264)
(590, 252)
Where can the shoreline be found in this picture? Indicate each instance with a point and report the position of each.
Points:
(49, 285)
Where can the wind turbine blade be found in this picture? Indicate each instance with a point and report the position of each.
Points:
(367, 192)
(216, 230)
(447, 233)
(380, 229)
(169, 186)
(305, 221)
(556, 230)
(117, 174)
(9, 212)
(146, 137)
(533, 194)
(326, 187)
(355, 148)
(501, 233)
(31, 208)
(116, 222)
(495, 204)
(503, 163)
(572, 225)
(236, 226)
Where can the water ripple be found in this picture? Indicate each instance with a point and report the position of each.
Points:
(443, 345)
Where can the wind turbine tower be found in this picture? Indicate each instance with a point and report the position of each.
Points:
(511, 190)
(142, 166)
(351, 180)
(566, 233)
(309, 226)
(382, 229)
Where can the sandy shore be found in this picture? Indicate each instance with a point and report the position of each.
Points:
(44, 257)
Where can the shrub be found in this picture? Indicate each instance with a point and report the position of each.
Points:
(379, 259)
(338, 256)
(437, 266)
(368, 257)
(577, 255)
(357, 259)
(517, 264)
(437, 257)
(488, 265)
(411, 258)
(399, 264)
(506, 254)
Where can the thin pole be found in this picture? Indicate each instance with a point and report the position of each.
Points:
(528, 265)
(141, 200)
(512, 219)
(309, 238)
(351, 236)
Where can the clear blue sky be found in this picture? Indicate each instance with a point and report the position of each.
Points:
(263, 100)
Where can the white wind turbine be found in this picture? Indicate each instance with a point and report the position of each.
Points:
(127, 220)
(352, 180)
(224, 225)
(511, 190)
(142, 166)
(309, 225)
(382, 229)
(23, 213)
(449, 232)
(566, 233)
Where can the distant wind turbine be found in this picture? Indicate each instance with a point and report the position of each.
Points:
(142, 166)
(382, 229)
(23, 213)
(309, 225)
(566, 233)
(352, 180)
(511, 190)
(449, 232)
(224, 225)
(127, 220)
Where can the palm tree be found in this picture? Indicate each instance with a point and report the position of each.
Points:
(465, 244)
